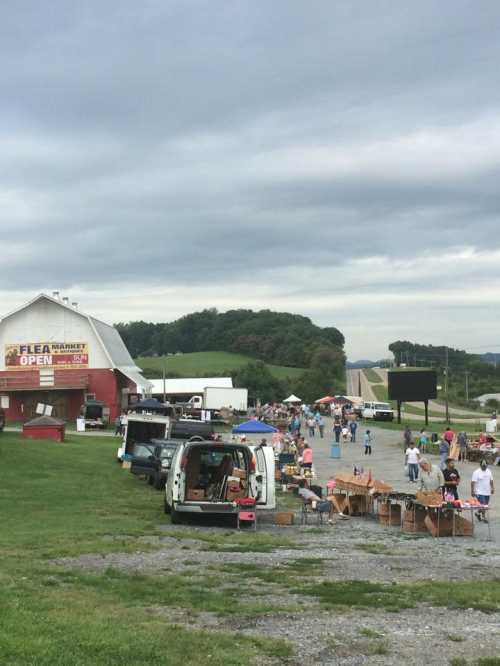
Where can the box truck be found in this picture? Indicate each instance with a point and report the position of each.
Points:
(215, 398)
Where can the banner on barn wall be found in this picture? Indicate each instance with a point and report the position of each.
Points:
(62, 355)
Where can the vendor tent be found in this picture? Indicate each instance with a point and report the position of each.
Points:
(292, 398)
(253, 426)
(325, 401)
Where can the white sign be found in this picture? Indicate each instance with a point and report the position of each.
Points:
(44, 410)
(4, 401)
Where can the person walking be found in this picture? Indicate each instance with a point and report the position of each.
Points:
(412, 457)
(321, 424)
(345, 433)
(368, 443)
(353, 426)
(118, 426)
(444, 452)
(462, 443)
(481, 487)
(311, 424)
(423, 441)
(407, 436)
(337, 429)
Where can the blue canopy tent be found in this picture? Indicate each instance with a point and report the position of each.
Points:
(250, 427)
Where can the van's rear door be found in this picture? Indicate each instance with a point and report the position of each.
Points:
(262, 473)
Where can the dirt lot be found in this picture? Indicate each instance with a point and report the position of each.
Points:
(358, 554)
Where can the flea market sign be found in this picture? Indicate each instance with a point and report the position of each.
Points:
(64, 355)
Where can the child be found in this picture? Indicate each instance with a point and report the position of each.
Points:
(368, 443)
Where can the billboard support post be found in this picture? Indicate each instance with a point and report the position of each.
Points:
(399, 411)
(426, 403)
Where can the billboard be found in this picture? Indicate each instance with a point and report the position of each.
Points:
(61, 355)
(412, 385)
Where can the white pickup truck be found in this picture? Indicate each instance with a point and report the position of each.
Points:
(378, 411)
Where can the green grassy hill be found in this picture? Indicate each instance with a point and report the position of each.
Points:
(199, 364)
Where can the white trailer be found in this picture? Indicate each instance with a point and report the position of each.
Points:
(232, 398)
(215, 398)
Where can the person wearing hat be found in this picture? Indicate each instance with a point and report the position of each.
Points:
(431, 477)
(482, 487)
(451, 478)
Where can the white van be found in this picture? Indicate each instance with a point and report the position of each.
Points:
(378, 411)
(209, 477)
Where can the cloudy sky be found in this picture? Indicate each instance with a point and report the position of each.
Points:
(336, 159)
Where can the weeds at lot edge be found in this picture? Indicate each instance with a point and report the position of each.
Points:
(479, 595)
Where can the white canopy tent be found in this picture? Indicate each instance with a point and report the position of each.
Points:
(292, 398)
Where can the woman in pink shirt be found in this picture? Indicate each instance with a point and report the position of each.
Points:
(307, 457)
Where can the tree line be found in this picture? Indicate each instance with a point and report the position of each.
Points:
(279, 338)
(469, 375)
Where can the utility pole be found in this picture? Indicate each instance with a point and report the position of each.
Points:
(164, 388)
(467, 385)
(446, 388)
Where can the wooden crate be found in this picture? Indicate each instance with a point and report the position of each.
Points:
(339, 501)
(414, 526)
(358, 505)
(393, 519)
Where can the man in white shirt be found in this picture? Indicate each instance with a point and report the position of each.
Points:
(412, 458)
(482, 487)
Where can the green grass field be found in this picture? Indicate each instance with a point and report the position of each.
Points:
(67, 499)
(372, 376)
(199, 364)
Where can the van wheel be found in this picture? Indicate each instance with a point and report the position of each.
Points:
(159, 484)
(166, 507)
(175, 517)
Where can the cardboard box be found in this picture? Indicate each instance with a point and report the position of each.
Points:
(194, 494)
(412, 527)
(284, 517)
(277, 475)
(239, 473)
(445, 528)
(383, 508)
(463, 527)
(126, 464)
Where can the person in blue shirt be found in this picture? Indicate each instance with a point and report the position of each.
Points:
(353, 426)
(320, 423)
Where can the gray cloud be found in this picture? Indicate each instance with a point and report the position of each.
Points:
(239, 153)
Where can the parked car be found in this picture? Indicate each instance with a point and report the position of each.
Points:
(378, 411)
(153, 460)
(210, 477)
(2, 419)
